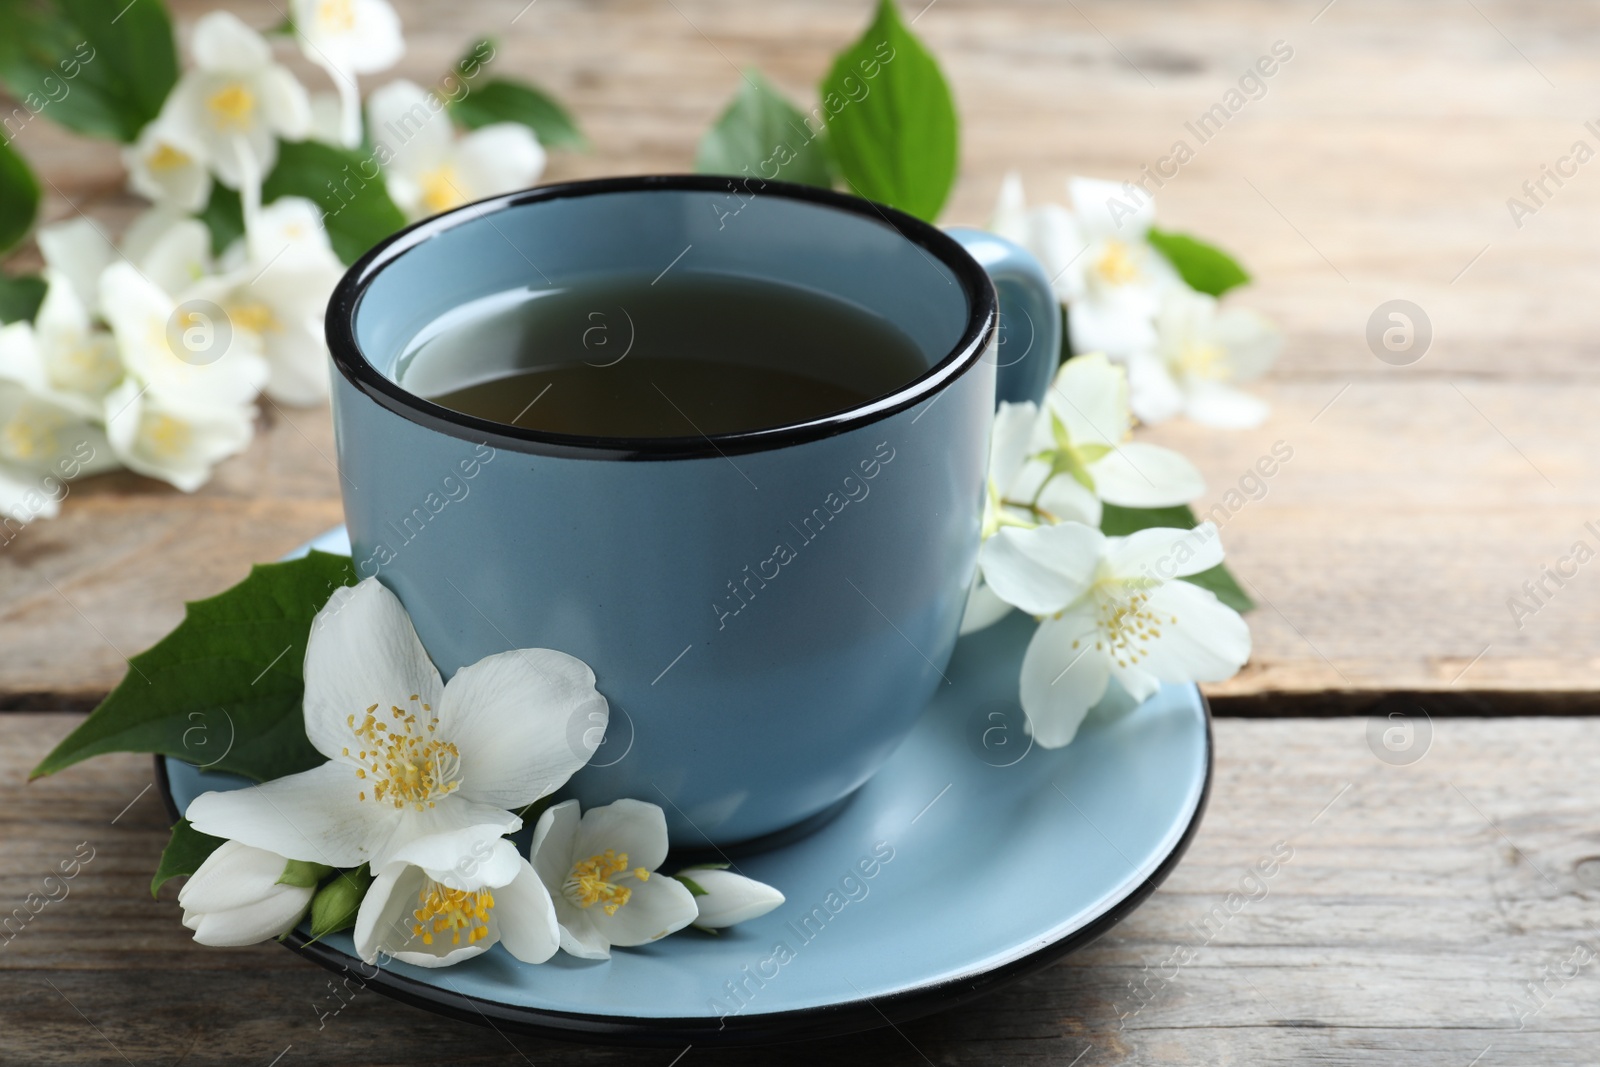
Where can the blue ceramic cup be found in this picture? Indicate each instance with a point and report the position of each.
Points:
(766, 611)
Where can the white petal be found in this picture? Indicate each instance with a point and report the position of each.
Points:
(297, 360)
(412, 125)
(167, 165)
(1090, 396)
(554, 840)
(231, 877)
(526, 917)
(178, 256)
(1043, 570)
(388, 899)
(363, 651)
(1117, 323)
(1252, 342)
(524, 722)
(1152, 394)
(143, 318)
(222, 42)
(1066, 500)
(1163, 552)
(447, 836)
(1139, 475)
(1112, 209)
(253, 923)
(1208, 643)
(1060, 682)
(489, 863)
(285, 104)
(177, 443)
(81, 251)
(629, 826)
(1010, 218)
(1223, 406)
(312, 816)
(984, 607)
(730, 898)
(499, 158)
(1009, 441)
(656, 907)
(579, 936)
(1136, 679)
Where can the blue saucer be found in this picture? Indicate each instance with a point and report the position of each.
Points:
(971, 859)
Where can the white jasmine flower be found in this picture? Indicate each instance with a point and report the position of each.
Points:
(439, 918)
(1099, 258)
(174, 440)
(238, 897)
(728, 898)
(1061, 462)
(79, 251)
(428, 169)
(167, 165)
(62, 353)
(1084, 433)
(43, 443)
(1111, 607)
(236, 102)
(601, 872)
(418, 771)
(278, 293)
(346, 38)
(1199, 353)
(1021, 491)
(184, 358)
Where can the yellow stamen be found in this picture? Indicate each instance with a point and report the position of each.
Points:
(407, 768)
(590, 881)
(442, 910)
(166, 157)
(257, 318)
(337, 16)
(1116, 264)
(440, 191)
(1203, 360)
(232, 107)
(167, 437)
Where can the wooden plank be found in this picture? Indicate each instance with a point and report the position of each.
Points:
(1412, 906)
(1377, 165)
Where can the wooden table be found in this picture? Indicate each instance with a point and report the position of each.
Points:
(1421, 899)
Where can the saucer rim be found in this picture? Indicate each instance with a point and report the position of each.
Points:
(847, 1016)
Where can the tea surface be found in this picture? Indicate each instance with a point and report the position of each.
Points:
(680, 357)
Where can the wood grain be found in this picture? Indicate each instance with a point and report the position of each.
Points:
(1415, 905)
(1377, 165)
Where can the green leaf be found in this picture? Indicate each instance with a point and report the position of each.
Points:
(891, 121)
(186, 850)
(1120, 522)
(223, 216)
(335, 905)
(303, 873)
(1203, 267)
(694, 887)
(19, 197)
(100, 69)
(347, 186)
(224, 689)
(20, 297)
(762, 135)
(504, 100)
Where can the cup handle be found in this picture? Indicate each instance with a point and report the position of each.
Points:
(1030, 315)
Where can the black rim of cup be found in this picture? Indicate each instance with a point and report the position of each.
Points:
(351, 362)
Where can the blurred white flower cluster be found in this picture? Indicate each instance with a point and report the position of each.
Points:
(151, 353)
(1184, 352)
